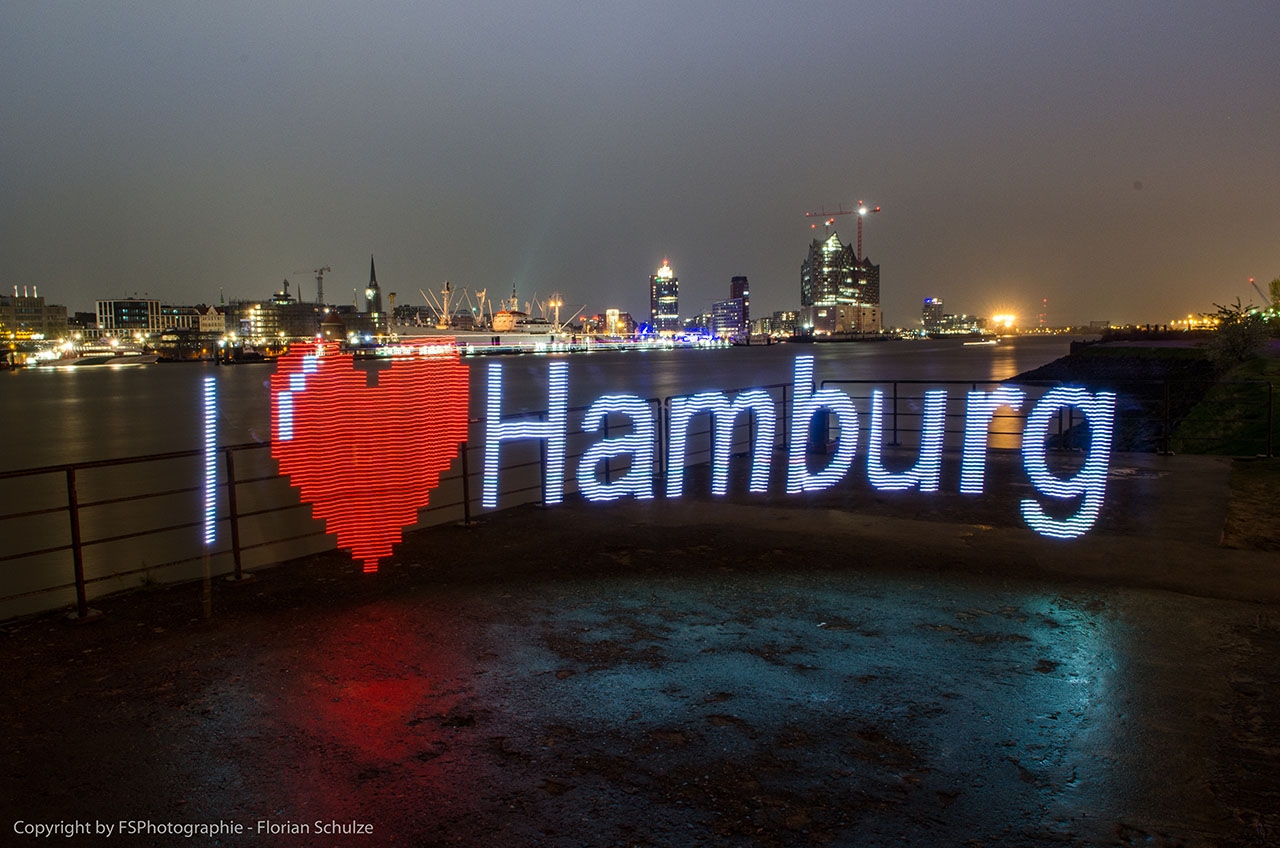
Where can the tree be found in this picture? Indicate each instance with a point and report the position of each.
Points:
(1241, 333)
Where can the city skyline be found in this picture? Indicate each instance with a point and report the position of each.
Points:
(1116, 161)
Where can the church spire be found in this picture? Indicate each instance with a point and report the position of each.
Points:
(373, 275)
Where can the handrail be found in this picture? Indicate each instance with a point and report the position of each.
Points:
(1142, 410)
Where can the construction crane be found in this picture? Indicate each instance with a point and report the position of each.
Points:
(862, 211)
(830, 216)
(319, 272)
(1266, 299)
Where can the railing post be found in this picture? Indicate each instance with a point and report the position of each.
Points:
(1270, 419)
(542, 462)
(663, 437)
(233, 511)
(77, 550)
(466, 484)
(785, 417)
(608, 478)
(1165, 435)
(895, 413)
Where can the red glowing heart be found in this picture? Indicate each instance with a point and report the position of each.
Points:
(367, 457)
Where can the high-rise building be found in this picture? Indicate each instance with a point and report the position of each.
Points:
(727, 318)
(738, 288)
(664, 301)
(931, 314)
(833, 275)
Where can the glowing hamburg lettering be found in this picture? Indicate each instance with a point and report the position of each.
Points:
(638, 480)
(1099, 411)
(928, 470)
(365, 449)
(980, 409)
(498, 431)
(925, 474)
(807, 404)
(723, 414)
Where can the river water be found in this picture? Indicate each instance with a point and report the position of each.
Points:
(57, 416)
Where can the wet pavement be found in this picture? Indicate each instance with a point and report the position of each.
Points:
(853, 669)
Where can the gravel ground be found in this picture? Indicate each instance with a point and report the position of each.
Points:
(851, 669)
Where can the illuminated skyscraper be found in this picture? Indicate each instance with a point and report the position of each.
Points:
(664, 300)
(833, 276)
(738, 288)
(931, 315)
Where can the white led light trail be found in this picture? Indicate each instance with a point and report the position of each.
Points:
(980, 409)
(210, 460)
(723, 415)
(1091, 481)
(297, 383)
(805, 405)
(498, 431)
(927, 471)
(638, 480)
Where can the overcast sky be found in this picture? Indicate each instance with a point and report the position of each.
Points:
(1120, 159)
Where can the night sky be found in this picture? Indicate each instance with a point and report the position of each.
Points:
(1120, 159)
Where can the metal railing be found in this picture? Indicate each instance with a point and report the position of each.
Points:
(1154, 409)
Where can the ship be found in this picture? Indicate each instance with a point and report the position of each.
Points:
(93, 355)
(508, 330)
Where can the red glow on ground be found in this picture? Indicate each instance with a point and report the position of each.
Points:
(366, 457)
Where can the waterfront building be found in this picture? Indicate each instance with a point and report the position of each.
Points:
(332, 328)
(958, 325)
(664, 301)
(146, 317)
(931, 314)
(129, 316)
(611, 322)
(731, 318)
(739, 288)
(784, 322)
(26, 317)
(275, 321)
(83, 325)
(833, 274)
(182, 343)
(357, 323)
(700, 323)
(727, 318)
(211, 319)
(837, 318)
(179, 317)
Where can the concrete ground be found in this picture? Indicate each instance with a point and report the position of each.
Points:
(849, 668)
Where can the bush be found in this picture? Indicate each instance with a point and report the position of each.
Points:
(1240, 335)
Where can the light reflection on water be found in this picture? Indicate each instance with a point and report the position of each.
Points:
(68, 415)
